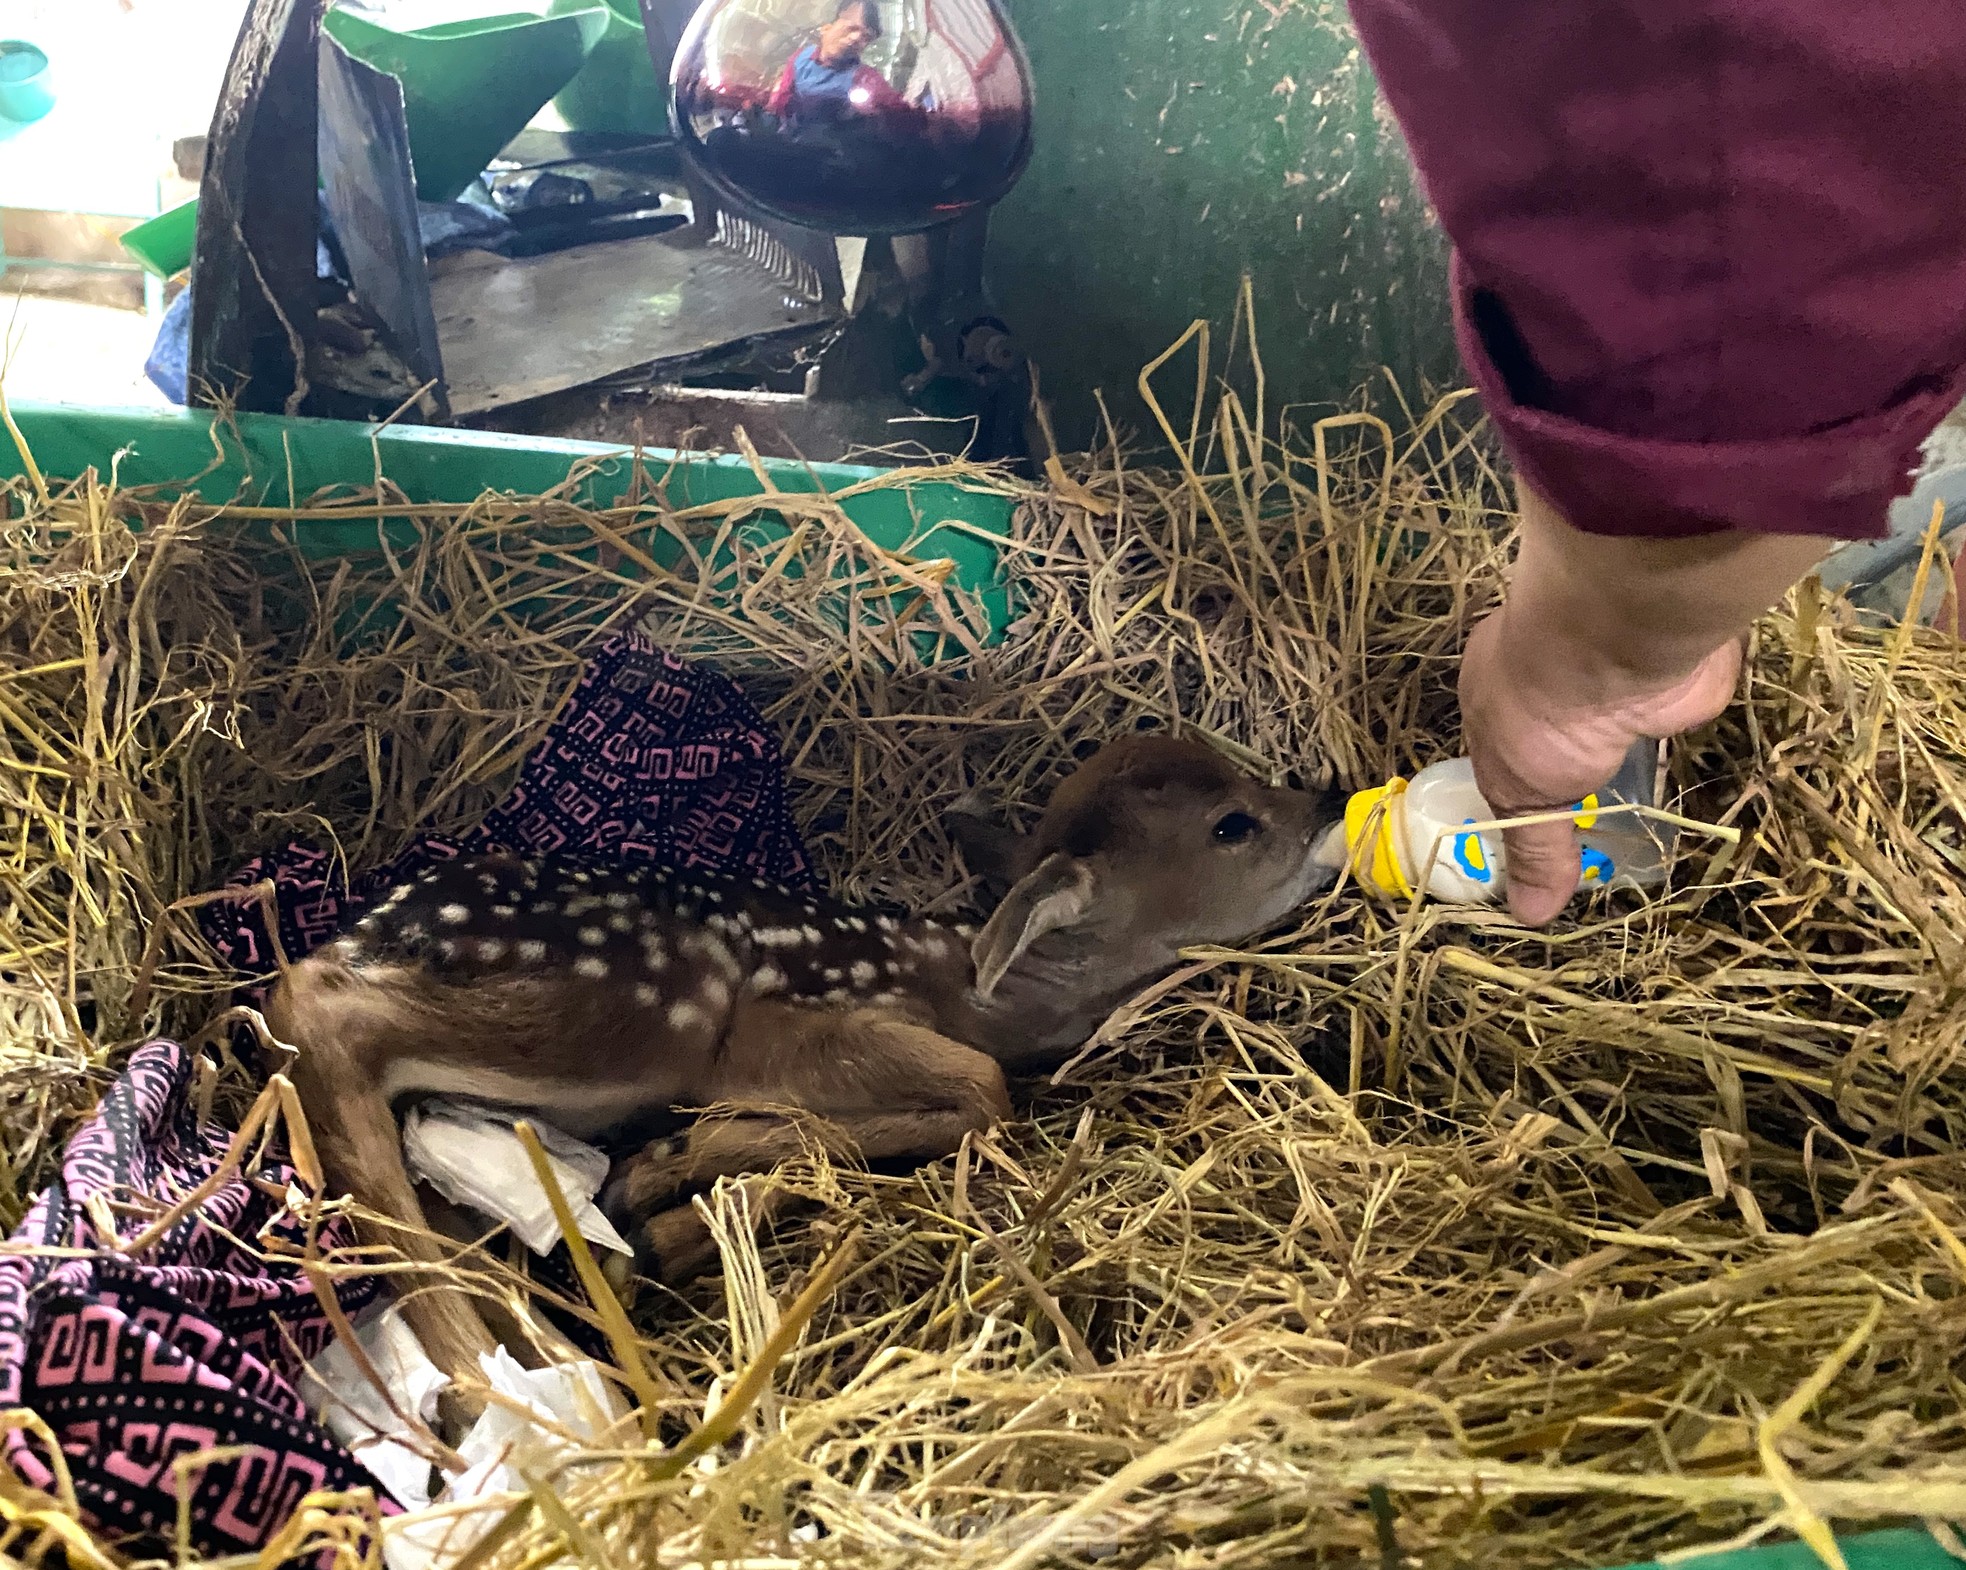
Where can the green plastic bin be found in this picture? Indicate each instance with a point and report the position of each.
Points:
(275, 461)
(163, 244)
(619, 88)
(470, 86)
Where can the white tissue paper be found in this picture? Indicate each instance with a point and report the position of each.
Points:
(473, 1158)
(569, 1398)
(349, 1406)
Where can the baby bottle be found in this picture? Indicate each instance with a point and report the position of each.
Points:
(1406, 835)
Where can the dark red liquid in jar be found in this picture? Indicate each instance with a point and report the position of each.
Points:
(854, 116)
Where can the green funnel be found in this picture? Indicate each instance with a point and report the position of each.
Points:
(470, 86)
(619, 88)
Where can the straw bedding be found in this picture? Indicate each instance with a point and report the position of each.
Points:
(1403, 1235)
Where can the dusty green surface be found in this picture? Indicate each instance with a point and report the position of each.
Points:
(1174, 153)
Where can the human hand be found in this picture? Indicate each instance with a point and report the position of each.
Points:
(1599, 641)
(1543, 730)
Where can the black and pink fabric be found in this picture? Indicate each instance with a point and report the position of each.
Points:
(652, 759)
(135, 1363)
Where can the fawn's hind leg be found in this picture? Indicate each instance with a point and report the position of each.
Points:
(891, 1090)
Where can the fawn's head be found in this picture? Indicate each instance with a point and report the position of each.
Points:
(1153, 845)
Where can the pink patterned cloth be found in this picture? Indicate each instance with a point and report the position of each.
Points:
(136, 1362)
(651, 760)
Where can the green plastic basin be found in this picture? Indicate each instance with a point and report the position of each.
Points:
(163, 244)
(470, 86)
(618, 89)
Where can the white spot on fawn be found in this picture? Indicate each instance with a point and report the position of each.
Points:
(505, 912)
(491, 950)
(857, 923)
(887, 924)
(622, 902)
(766, 980)
(834, 974)
(620, 923)
(593, 937)
(863, 973)
(454, 915)
(592, 966)
(812, 934)
(716, 994)
(532, 951)
(646, 995)
(686, 1016)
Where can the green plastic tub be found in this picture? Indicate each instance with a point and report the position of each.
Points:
(619, 88)
(163, 244)
(268, 460)
(271, 461)
(470, 86)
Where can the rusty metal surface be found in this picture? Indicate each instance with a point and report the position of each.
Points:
(521, 329)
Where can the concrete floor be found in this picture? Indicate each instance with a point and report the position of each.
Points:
(59, 351)
(65, 351)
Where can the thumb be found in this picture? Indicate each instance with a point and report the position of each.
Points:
(1543, 868)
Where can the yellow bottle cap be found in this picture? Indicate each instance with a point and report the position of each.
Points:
(1376, 863)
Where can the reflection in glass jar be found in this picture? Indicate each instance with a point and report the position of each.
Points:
(855, 116)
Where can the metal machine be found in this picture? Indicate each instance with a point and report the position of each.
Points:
(801, 255)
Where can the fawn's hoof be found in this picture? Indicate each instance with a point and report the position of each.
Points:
(646, 1183)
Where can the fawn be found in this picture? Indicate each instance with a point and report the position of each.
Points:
(610, 1003)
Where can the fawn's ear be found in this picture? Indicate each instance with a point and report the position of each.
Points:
(1058, 892)
(992, 850)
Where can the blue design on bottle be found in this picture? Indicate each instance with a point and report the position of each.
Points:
(1598, 867)
(1472, 856)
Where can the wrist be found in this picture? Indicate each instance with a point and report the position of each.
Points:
(1569, 664)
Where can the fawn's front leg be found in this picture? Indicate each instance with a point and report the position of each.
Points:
(883, 1088)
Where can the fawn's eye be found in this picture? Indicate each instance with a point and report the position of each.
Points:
(1232, 828)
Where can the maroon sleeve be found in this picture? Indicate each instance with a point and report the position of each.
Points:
(1710, 266)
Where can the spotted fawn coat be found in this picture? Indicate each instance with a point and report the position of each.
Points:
(615, 1003)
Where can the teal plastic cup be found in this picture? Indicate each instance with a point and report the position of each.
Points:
(25, 91)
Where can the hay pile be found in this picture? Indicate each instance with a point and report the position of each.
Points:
(1400, 1234)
